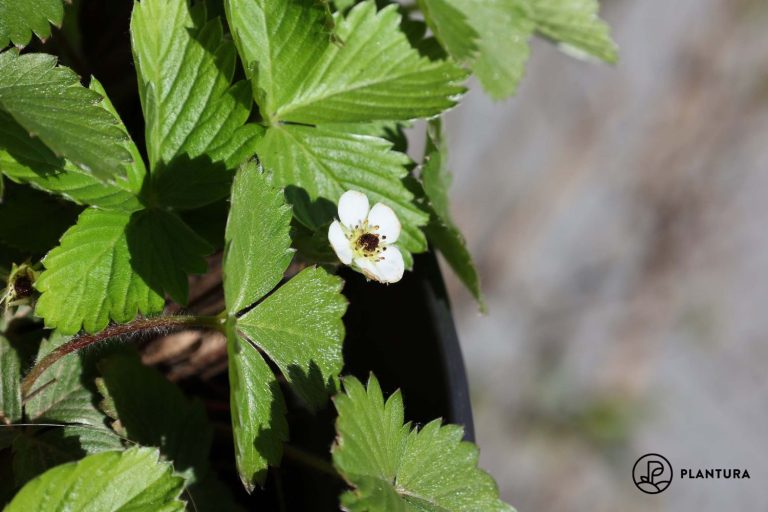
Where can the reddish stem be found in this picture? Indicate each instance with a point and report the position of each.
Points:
(115, 331)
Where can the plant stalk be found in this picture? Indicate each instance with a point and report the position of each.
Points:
(115, 331)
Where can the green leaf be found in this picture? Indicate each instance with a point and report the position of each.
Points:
(179, 427)
(164, 251)
(367, 70)
(396, 468)
(88, 278)
(60, 395)
(299, 327)
(26, 159)
(505, 29)
(279, 44)
(18, 19)
(195, 118)
(451, 28)
(258, 411)
(441, 230)
(10, 377)
(576, 24)
(114, 265)
(49, 102)
(257, 241)
(32, 221)
(34, 452)
(318, 164)
(132, 480)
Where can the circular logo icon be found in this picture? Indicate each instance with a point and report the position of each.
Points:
(652, 473)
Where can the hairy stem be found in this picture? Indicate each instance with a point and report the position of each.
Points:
(116, 331)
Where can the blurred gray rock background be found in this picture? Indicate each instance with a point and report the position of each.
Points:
(618, 218)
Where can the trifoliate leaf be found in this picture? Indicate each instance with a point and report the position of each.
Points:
(576, 24)
(59, 396)
(18, 19)
(195, 118)
(367, 71)
(257, 239)
(441, 230)
(33, 221)
(394, 468)
(451, 28)
(49, 102)
(279, 44)
(299, 327)
(132, 480)
(113, 265)
(10, 377)
(38, 450)
(258, 411)
(179, 427)
(318, 164)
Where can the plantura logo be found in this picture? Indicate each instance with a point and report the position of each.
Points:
(652, 473)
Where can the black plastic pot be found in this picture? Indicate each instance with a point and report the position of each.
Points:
(405, 334)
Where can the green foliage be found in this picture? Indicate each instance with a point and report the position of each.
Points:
(441, 231)
(298, 326)
(10, 394)
(280, 43)
(505, 28)
(318, 164)
(451, 28)
(576, 24)
(257, 240)
(26, 159)
(258, 411)
(366, 71)
(39, 449)
(335, 90)
(19, 19)
(132, 480)
(195, 120)
(88, 278)
(179, 426)
(104, 268)
(395, 468)
(49, 102)
(61, 396)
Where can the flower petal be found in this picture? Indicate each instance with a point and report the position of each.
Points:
(340, 242)
(353, 208)
(388, 225)
(390, 267)
(367, 268)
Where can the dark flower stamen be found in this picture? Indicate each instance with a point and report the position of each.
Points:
(368, 241)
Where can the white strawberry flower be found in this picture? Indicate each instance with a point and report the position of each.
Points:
(364, 238)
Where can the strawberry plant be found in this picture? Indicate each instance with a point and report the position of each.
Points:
(261, 145)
